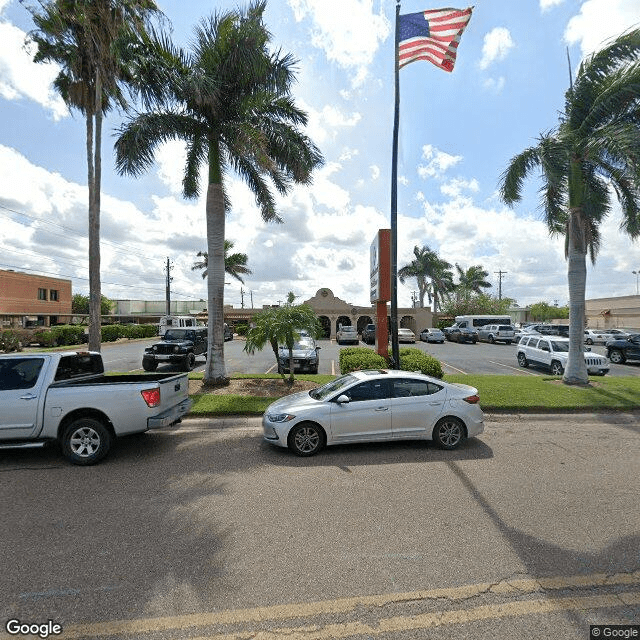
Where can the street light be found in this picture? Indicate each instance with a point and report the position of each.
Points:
(637, 273)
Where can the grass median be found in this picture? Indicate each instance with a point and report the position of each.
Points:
(497, 393)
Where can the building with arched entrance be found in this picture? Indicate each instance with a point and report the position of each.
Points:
(333, 312)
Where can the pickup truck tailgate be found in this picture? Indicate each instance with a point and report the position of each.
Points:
(174, 401)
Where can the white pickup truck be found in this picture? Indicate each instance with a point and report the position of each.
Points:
(66, 397)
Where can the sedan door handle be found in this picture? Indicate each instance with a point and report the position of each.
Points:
(382, 409)
(28, 396)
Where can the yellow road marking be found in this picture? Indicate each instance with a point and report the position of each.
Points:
(346, 605)
(437, 619)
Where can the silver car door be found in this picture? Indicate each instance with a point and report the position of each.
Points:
(415, 406)
(367, 415)
(20, 396)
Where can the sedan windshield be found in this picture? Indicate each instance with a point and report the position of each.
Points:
(299, 346)
(331, 387)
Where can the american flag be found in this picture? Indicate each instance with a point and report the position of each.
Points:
(431, 35)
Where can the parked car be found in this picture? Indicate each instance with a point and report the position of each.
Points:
(305, 356)
(178, 346)
(432, 335)
(619, 351)
(66, 398)
(228, 332)
(368, 406)
(369, 334)
(406, 335)
(548, 329)
(596, 336)
(347, 335)
(462, 334)
(497, 333)
(619, 334)
(553, 352)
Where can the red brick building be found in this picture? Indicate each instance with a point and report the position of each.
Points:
(28, 300)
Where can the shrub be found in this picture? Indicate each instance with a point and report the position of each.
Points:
(241, 329)
(111, 332)
(67, 334)
(45, 338)
(356, 358)
(12, 340)
(412, 359)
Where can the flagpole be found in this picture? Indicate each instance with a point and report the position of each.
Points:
(395, 350)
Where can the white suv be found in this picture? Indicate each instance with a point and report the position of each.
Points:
(553, 352)
(497, 333)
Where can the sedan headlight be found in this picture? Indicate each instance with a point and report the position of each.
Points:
(279, 417)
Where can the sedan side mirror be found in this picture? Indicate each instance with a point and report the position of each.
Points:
(343, 399)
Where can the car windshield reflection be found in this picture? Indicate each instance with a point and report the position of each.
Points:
(560, 346)
(332, 387)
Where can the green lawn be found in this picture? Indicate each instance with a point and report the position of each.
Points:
(497, 393)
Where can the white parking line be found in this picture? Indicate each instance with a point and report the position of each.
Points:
(452, 367)
(271, 368)
(506, 366)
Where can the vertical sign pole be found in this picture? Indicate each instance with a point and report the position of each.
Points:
(395, 350)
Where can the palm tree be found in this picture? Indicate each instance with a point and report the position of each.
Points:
(281, 326)
(229, 100)
(87, 39)
(474, 279)
(592, 153)
(234, 264)
(432, 273)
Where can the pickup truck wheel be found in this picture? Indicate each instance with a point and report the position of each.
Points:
(556, 368)
(589, 341)
(492, 340)
(149, 365)
(85, 441)
(616, 356)
(189, 362)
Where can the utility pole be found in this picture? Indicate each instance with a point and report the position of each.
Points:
(251, 292)
(241, 297)
(500, 274)
(169, 279)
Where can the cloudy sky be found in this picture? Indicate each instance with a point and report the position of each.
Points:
(457, 134)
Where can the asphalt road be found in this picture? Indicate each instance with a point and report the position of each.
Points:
(455, 358)
(202, 531)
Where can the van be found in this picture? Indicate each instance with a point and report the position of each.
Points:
(175, 322)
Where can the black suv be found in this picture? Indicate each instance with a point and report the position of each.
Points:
(178, 346)
(369, 334)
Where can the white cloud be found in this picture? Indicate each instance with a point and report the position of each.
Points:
(438, 162)
(497, 44)
(600, 21)
(326, 124)
(348, 31)
(454, 188)
(495, 84)
(545, 5)
(20, 77)
(375, 172)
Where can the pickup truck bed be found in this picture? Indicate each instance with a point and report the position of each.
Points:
(67, 398)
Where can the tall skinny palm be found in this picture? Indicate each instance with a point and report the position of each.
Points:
(593, 153)
(474, 279)
(432, 273)
(229, 100)
(87, 38)
(235, 264)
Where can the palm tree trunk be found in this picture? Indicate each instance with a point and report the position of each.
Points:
(576, 372)
(93, 171)
(215, 372)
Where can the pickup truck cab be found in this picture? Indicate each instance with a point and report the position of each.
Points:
(66, 398)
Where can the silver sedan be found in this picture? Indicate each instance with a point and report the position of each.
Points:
(369, 406)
